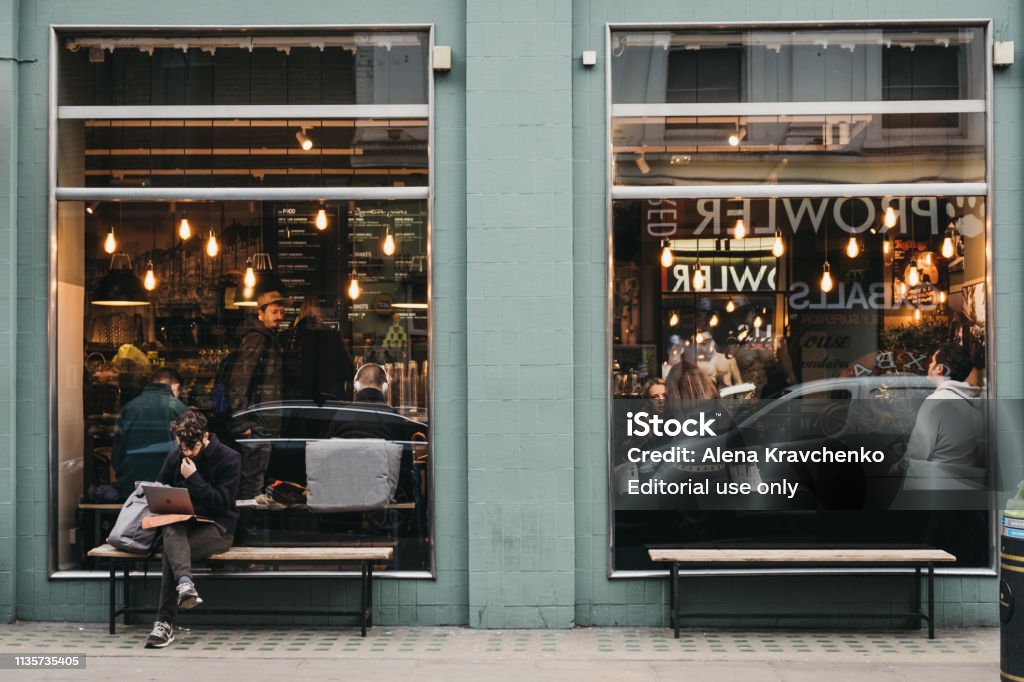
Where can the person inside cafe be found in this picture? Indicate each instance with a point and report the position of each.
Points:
(142, 436)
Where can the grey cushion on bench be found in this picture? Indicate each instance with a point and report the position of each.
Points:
(351, 474)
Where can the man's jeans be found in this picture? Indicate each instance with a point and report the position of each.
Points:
(255, 459)
(183, 543)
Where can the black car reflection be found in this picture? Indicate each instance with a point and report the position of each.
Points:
(289, 425)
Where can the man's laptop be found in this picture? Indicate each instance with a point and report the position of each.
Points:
(163, 500)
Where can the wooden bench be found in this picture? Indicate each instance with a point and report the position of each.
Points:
(365, 556)
(916, 558)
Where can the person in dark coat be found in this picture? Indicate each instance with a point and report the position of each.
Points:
(258, 377)
(142, 437)
(211, 473)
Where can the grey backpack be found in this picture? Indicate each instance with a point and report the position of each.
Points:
(128, 534)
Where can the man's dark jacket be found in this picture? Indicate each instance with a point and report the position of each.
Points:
(214, 486)
(257, 377)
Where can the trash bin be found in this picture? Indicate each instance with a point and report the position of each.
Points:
(1011, 586)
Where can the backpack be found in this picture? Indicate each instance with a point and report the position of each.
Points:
(220, 396)
(128, 534)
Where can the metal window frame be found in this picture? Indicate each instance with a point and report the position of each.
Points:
(245, 111)
(55, 194)
(614, 192)
(926, 106)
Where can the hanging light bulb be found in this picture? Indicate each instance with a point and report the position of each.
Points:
(947, 243)
(889, 219)
(917, 314)
(247, 292)
(389, 243)
(666, 254)
(212, 247)
(184, 229)
(778, 248)
(886, 246)
(713, 322)
(758, 322)
(901, 289)
(740, 231)
(698, 277)
(150, 281)
(913, 276)
(110, 244)
(321, 219)
(673, 320)
(730, 306)
(353, 287)
(826, 278)
(249, 279)
(852, 248)
(942, 297)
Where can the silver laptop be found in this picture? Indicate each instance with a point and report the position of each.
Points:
(163, 500)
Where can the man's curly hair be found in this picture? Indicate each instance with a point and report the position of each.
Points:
(189, 427)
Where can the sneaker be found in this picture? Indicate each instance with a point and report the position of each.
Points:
(187, 596)
(265, 501)
(161, 636)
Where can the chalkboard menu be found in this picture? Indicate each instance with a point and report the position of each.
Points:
(387, 279)
(307, 259)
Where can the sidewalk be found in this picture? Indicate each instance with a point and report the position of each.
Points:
(305, 654)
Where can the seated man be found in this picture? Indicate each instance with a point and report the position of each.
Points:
(143, 437)
(211, 472)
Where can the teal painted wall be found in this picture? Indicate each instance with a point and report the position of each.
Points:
(8, 297)
(519, 261)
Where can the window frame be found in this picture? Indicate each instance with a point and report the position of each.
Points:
(614, 192)
(55, 194)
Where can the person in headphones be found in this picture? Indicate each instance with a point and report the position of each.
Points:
(371, 384)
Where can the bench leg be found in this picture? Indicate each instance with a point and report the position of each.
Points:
(369, 595)
(363, 598)
(127, 590)
(917, 596)
(931, 601)
(674, 597)
(113, 597)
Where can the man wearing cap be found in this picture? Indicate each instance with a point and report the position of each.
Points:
(257, 377)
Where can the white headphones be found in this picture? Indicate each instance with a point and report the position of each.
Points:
(359, 385)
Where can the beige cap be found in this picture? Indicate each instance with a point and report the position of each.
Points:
(268, 297)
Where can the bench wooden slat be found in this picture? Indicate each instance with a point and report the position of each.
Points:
(806, 556)
(305, 554)
(271, 554)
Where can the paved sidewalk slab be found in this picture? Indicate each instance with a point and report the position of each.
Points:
(224, 653)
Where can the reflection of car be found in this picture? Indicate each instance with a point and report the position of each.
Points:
(738, 391)
(289, 425)
(847, 413)
(822, 408)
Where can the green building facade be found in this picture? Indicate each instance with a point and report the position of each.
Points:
(520, 341)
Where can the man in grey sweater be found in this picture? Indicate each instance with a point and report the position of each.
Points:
(950, 426)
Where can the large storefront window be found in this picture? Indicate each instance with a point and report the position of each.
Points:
(195, 176)
(800, 218)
